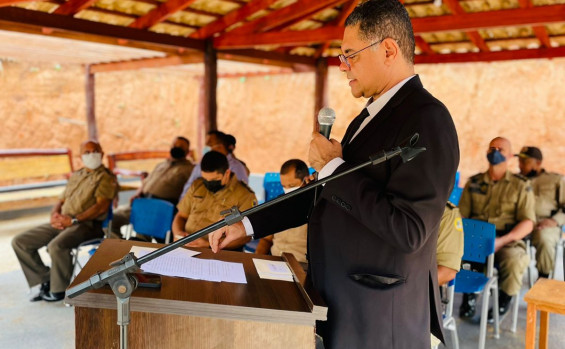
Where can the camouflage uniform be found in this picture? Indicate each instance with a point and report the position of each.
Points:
(503, 203)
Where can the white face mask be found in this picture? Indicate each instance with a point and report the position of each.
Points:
(206, 149)
(289, 190)
(92, 160)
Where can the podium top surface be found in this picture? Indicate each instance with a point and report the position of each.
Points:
(258, 300)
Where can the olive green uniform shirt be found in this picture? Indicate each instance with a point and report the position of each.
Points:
(203, 207)
(450, 238)
(84, 187)
(549, 190)
(293, 241)
(503, 203)
(167, 179)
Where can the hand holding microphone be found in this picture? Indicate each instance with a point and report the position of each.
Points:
(321, 150)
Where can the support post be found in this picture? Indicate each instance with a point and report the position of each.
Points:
(92, 129)
(321, 91)
(210, 85)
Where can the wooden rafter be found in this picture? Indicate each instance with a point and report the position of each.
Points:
(539, 30)
(4, 3)
(339, 21)
(146, 63)
(465, 22)
(160, 13)
(73, 6)
(284, 15)
(231, 18)
(423, 45)
(455, 8)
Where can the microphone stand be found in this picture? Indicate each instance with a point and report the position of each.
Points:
(120, 276)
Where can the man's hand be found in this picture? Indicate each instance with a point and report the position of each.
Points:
(59, 221)
(546, 223)
(224, 236)
(322, 151)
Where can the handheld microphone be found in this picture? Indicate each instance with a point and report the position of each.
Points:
(326, 119)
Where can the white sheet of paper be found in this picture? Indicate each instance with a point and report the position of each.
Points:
(180, 263)
(273, 270)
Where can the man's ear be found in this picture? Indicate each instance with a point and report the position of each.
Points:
(391, 48)
(226, 177)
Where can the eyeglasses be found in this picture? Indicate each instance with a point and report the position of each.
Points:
(344, 58)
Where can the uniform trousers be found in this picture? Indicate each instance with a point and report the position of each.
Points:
(545, 241)
(512, 261)
(59, 246)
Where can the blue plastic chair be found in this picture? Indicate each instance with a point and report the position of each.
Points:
(455, 195)
(272, 185)
(479, 239)
(151, 217)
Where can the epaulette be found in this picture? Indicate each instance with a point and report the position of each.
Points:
(521, 177)
(246, 186)
(450, 205)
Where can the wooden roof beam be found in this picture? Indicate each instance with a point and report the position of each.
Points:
(146, 63)
(160, 13)
(73, 6)
(297, 63)
(423, 45)
(288, 38)
(4, 3)
(305, 16)
(283, 15)
(540, 31)
(90, 29)
(231, 18)
(467, 22)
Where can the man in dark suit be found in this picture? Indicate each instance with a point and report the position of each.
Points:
(372, 234)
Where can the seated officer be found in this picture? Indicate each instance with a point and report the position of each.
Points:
(76, 218)
(549, 190)
(507, 201)
(215, 191)
(449, 244)
(294, 173)
(165, 182)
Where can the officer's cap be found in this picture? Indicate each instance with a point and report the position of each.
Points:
(530, 152)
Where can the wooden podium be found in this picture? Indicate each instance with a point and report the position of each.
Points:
(198, 314)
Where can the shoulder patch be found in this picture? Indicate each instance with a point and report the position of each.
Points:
(458, 224)
(450, 205)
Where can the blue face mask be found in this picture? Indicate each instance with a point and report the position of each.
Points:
(206, 149)
(495, 157)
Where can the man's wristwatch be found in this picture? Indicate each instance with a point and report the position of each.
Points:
(74, 221)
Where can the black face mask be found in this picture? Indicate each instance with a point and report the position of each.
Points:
(213, 186)
(532, 174)
(177, 153)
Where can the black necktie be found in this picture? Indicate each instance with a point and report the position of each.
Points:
(355, 124)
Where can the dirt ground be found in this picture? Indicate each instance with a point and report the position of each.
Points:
(43, 106)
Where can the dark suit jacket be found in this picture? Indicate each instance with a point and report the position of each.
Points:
(373, 233)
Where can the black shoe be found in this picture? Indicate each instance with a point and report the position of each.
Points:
(542, 275)
(504, 301)
(42, 291)
(53, 296)
(467, 308)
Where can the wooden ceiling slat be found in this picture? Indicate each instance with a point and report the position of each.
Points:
(84, 27)
(305, 16)
(146, 63)
(11, 2)
(281, 16)
(540, 31)
(73, 6)
(298, 63)
(161, 13)
(231, 18)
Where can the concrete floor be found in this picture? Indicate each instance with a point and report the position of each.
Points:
(51, 325)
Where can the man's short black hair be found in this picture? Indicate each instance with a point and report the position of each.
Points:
(300, 168)
(184, 139)
(230, 140)
(214, 161)
(220, 136)
(381, 19)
